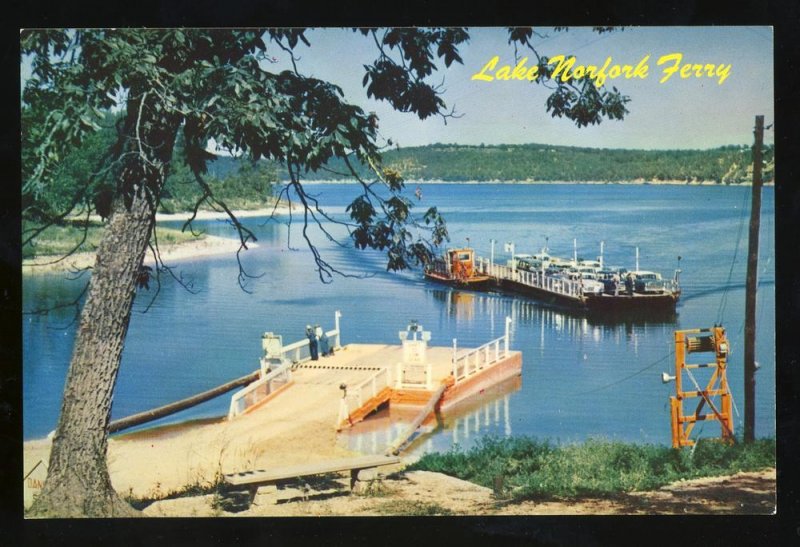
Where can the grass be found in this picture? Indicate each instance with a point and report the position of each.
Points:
(197, 488)
(61, 239)
(412, 509)
(526, 468)
(83, 237)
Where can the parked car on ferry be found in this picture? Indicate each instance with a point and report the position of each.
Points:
(585, 270)
(585, 263)
(557, 269)
(648, 282)
(591, 284)
(606, 276)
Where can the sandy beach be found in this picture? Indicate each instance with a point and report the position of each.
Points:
(151, 463)
(280, 209)
(203, 246)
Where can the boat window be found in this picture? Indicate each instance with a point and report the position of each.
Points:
(463, 256)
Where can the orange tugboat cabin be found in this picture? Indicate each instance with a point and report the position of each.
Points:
(457, 268)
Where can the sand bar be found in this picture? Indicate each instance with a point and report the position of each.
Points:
(204, 246)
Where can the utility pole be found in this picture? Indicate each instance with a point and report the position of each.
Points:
(750, 296)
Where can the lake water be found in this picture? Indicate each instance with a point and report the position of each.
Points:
(582, 377)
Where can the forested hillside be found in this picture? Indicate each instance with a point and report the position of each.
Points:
(539, 162)
(244, 185)
(83, 177)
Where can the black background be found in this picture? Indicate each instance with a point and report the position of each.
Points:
(781, 529)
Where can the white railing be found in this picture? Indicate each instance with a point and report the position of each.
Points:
(289, 355)
(300, 351)
(482, 357)
(356, 396)
(259, 390)
(537, 280)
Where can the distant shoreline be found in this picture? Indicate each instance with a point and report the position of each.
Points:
(280, 209)
(206, 245)
(209, 245)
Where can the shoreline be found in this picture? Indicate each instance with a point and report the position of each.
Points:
(206, 214)
(201, 247)
(195, 452)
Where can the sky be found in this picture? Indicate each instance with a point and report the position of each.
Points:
(690, 113)
(676, 114)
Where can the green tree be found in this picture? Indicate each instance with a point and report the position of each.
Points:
(213, 84)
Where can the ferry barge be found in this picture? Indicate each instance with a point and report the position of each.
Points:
(575, 283)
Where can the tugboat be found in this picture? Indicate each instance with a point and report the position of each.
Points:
(457, 269)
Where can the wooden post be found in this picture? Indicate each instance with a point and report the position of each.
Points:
(750, 294)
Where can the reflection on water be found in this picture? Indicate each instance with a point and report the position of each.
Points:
(616, 329)
(486, 413)
(463, 304)
(582, 375)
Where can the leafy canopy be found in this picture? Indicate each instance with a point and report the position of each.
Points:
(217, 84)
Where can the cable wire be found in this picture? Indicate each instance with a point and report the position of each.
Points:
(651, 365)
(724, 298)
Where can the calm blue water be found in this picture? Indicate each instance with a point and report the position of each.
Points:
(581, 377)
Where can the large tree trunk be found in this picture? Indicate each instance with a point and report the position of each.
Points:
(78, 483)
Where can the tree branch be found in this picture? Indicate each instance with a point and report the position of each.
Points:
(69, 253)
(324, 269)
(244, 233)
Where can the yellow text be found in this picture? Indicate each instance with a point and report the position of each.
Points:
(566, 70)
(506, 72)
(673, 64)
